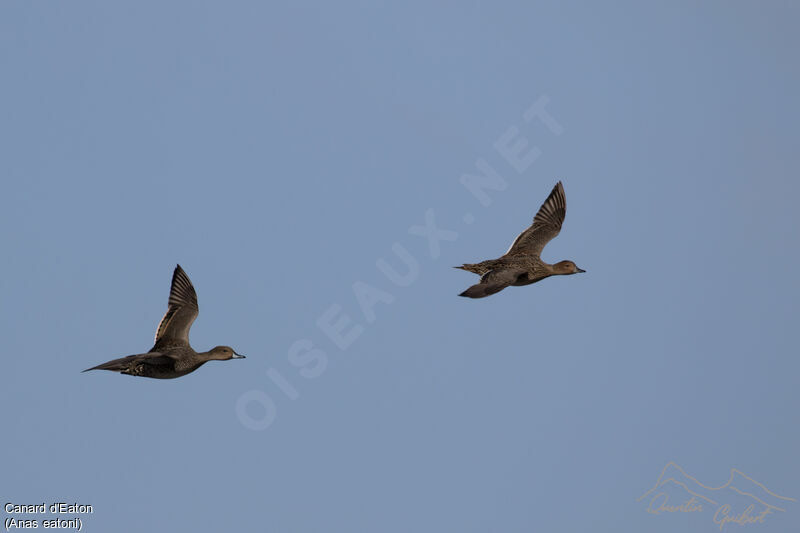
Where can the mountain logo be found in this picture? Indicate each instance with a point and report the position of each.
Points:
(741, 500)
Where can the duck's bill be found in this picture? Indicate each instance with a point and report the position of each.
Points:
(237, 356)
(580, 270)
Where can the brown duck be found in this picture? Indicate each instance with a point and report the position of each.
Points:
(171, 356)
(521, 264)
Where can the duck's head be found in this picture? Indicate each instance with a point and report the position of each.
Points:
(223, 353)
(567, 267)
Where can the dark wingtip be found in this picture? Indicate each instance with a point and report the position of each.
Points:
(481, 290)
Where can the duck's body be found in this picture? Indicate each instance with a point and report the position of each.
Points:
(522, 264)
(170, 363)
(531, 267)
(171, 356)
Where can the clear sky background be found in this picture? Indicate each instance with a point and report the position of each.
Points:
(278, 153)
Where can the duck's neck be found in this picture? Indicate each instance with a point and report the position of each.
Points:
(203, 356)
(553, 270)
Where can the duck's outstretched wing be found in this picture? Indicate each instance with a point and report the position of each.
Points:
(492, 282)
(545, 227)
(182, 309)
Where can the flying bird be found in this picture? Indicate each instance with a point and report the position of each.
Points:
(171, 356)
(521, 264)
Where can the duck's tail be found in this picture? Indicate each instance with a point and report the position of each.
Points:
(115, 365)
(476, 268)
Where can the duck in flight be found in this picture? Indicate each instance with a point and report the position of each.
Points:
(521, 264)
(172, 356)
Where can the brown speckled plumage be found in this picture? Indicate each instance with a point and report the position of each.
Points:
(522, 264)
(171, 356)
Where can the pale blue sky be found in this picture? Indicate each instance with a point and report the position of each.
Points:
(277, 153)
